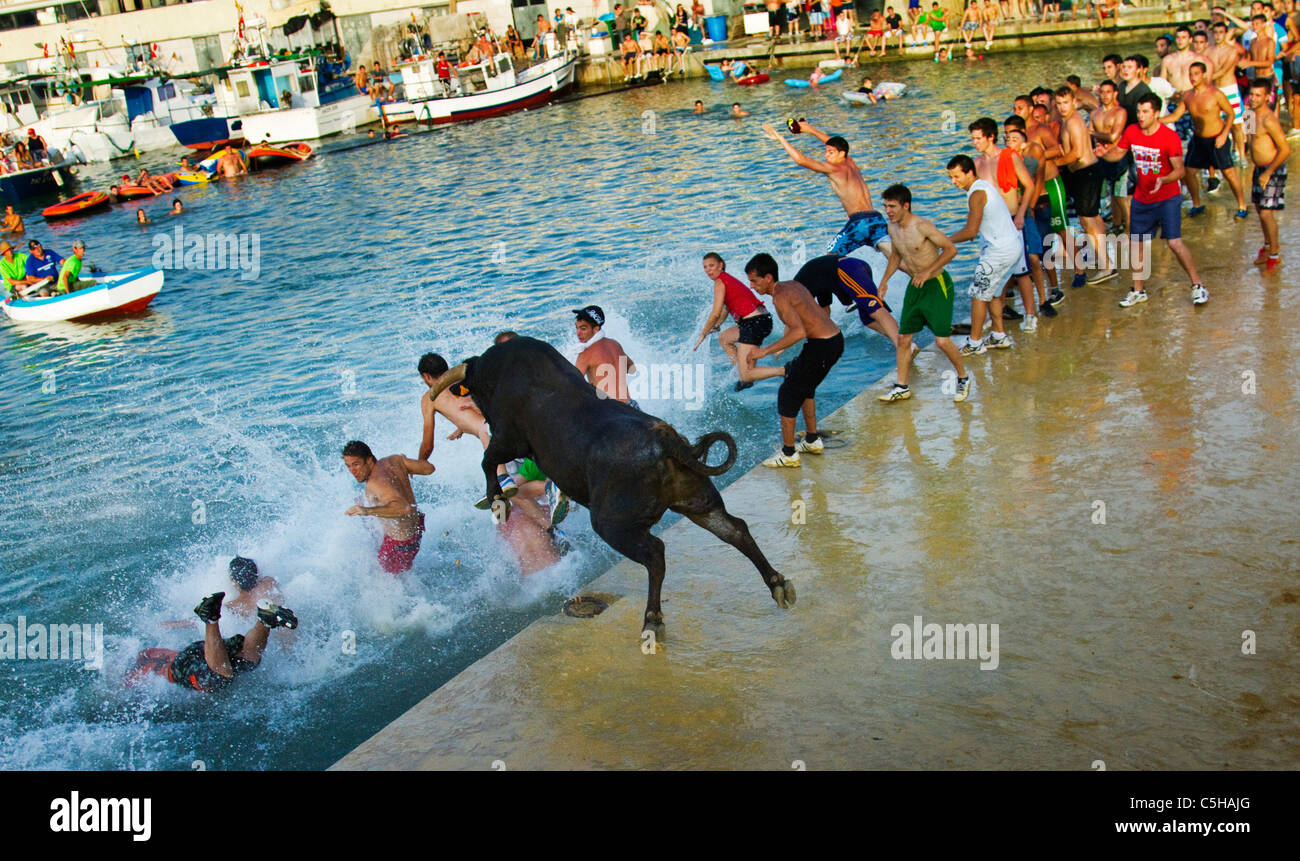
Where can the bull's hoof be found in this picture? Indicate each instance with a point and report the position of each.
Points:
(783, 594)
(654, 623)
(500, 510)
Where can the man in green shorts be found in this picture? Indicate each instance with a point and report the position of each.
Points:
(921, 250)
(938, 23)
(70, 274)
(13, 267)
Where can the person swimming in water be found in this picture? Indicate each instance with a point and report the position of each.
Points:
(253, 589)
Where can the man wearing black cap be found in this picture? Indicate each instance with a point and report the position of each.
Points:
(42, 267)
(602, 359)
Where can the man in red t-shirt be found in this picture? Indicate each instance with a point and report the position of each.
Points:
(1157, 201)
(443, 68)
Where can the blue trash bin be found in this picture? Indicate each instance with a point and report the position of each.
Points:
(715, 26)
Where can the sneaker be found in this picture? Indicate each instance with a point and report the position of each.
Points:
(974, 348)
(560, 540)
(1274, 261)
(1079, 280)
(741, 385)
(1241, 214)
(209, 609)
(1046, 310)
(1030, 324)
(1213, 185)
(963, 390)
(273, 616)
(1103, 275)
(1199, 294)
(782, 459)
(1262, 257)
(1134, 297)
(1009, 313)
(897, 393)
(484, 504)
(1293, 134)
(559, 502)
(817, 447)
(1195, 211)
(1003, 343)
(1055, 296)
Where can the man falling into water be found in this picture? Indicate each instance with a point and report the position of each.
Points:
(388, 490)
(865, 226)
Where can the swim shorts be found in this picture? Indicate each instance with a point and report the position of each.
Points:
(397, 557)
(1203, 153)
(806, 372)
(1233, 92)
(856, 285)
(1186, 130)
(527, 471)
(1084, 188)
(929, 305)
(862, 228)
(994, 269)
(190, 669)
(1167, 215)
(754, 329)
(1055, 191)
(1032, 237)
(1273, 196)
(970, 26)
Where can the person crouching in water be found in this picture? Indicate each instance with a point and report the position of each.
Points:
(753, 321)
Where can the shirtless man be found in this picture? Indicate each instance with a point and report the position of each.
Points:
(1005, 170)
(1224, 55)
(231, 163)
(803, 319)
(1106, 124)
(252, 591)
(921, 250)
(1263, 51)
(865, 226)
(388, 490)
(1085, 98)
(1211, 147)
(459, 409)
(1049, 209)
(13, 222)
(1269, 151)
(1017, 139)
(1083, 180)
(602, 359)
(1174, 68)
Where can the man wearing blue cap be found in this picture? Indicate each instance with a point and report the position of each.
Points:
(602, 359)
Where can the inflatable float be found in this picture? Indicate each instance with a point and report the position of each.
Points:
(883, 90)
(830, 65)
(824, 79)
(715, 72)
(109, 294)
(265, 155)
(197, 177)
(750, 80)
(134, 192)
(79, 205)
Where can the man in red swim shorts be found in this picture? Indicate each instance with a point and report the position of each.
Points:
(388, 490)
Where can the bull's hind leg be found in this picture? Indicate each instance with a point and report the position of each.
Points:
(735, 532)
(635, 542)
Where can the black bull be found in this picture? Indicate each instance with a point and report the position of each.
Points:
(626, 467)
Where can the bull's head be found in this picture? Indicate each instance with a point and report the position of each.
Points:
(454, 377)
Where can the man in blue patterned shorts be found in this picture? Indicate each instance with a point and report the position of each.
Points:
(865, 226)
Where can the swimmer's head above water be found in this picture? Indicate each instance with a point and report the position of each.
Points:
(589, 321)
(243, 571)
(359, 460)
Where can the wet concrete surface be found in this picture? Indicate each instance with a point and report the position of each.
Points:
(1119, 641)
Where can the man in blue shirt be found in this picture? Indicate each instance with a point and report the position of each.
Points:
(42, 265)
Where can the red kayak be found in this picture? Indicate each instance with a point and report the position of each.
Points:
(82, 203)
(134, 192)
(750, 80)
(266, 155)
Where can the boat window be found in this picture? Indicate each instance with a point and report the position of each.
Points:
(306, 83)
(167, 92)
(503, 64)
(241, 89)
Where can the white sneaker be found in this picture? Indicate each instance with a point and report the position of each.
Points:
(974, 348)
(1199, 294)
(1003, 343)
(1030, 324)
(782, 459)
(810, 447)
(1134, 297)
(897, 393)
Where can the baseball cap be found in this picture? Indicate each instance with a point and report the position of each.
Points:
(5, 246)
(592, 314)
(78, 244)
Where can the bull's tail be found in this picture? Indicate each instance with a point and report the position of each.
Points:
(694, 457)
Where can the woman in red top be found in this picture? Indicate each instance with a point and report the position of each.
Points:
(753, 322)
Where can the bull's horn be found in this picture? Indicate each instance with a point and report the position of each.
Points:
(447, 380)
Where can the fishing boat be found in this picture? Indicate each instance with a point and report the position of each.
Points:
(81, 204)
(108, 295)
(265, 155)
(488, 89)
(20, 185)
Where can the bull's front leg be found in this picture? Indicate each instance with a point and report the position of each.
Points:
(495, 498)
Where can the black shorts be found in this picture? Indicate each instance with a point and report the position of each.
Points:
(754, 329)
(190, 669)
(806, 372)
(1203, 153)
(1084, 189)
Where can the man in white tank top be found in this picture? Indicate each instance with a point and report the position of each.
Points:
(1001, 253)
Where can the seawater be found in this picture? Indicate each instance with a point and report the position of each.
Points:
(138, 456)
